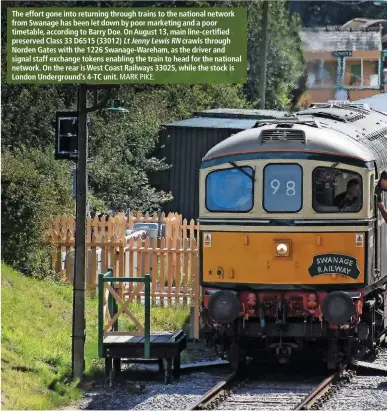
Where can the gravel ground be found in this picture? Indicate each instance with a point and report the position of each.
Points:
(273, 392)
(382, 357)
(152, 393)
(362, 392)
(146, 395)
(197, 351)
(268, 395)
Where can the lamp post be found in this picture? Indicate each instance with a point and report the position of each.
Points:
(72, 144)
(79, 322)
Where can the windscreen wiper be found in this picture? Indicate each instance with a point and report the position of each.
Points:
(252, 177)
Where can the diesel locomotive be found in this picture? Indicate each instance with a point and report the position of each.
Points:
(293, 250)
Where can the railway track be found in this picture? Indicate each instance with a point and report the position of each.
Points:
(275, 391)
(238, 392)
(326, 389)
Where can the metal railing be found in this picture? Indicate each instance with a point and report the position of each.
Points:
(113, 307)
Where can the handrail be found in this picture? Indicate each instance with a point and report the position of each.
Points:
(112, 306)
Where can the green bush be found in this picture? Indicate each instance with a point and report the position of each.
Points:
(122, 145)
(35, 188)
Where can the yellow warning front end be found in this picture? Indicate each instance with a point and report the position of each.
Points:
(283, 259)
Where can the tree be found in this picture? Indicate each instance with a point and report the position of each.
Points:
(332, 13)
(34, 189)
(36, 186)
(27, 114)
(121, 146)
(284, 61)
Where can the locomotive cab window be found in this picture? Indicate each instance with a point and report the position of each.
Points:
(282, 192)
(230, 190)
(372, 192)
(337, 191)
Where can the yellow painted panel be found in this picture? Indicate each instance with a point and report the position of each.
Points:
(252, 258)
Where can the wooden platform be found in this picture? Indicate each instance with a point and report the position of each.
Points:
(165, 348)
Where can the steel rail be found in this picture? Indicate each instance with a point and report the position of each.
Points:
(215, 391)
(321, 390)
(319, 394)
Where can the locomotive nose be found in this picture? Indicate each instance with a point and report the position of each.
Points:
(338, 307)
(224, 307)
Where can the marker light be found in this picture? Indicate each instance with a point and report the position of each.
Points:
(338, 307)
(224, 306)
(282, 249)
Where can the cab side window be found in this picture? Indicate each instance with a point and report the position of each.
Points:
(372, 192)
(337, 190)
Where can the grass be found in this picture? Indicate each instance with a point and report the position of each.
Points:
(36, 340)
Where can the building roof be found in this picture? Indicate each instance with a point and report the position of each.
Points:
(321, 40)
(377, 102)
(362, 23)
(210, 122)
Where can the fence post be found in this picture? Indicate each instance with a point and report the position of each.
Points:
(58, 261)
(100, 314)
(147, 316)
(175, 227)
(196, 288)
(159, 228)
(111, 305)
(114, 304)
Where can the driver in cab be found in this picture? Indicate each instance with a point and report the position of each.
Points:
(380, 187)
(349, 200)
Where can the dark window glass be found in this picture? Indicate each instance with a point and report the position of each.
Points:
(313, 68)
(229, 190)
(337, 191)
(372, 191)
(355, 74)
(282, 190)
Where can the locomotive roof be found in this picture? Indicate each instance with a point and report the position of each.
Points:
(349, 131)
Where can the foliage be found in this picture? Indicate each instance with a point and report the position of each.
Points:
(36, 340)
(331, 13)
(304, 102)
(184, 100)
(285, 62)
(121, 146)
(27, 114)
(284, 58)
(34, 187)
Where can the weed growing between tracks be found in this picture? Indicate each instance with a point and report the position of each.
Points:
(36, 340)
